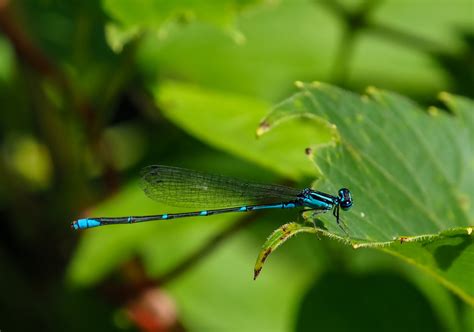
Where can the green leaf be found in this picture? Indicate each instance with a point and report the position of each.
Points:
(152, 13)
(446, 256)
(410, 172)
(132, 17)
(227, 121)
(6, 61)
(297, 40)
(276, 239)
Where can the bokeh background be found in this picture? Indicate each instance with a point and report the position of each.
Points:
(91, 92)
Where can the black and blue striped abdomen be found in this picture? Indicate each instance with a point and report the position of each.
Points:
(95, 222)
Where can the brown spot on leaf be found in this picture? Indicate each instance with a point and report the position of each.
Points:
(403, 239)
(265, 254)
(263, 128)
(256, 272)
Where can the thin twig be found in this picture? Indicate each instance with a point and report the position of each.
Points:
(343, 57)
(354, 22)
(360, 20)
(403, 37)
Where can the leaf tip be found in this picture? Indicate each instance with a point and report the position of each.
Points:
(309, 152)
(256, 272)
(262, 257)
(299, 84)
(263, 127)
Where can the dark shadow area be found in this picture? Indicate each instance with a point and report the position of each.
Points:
(459, 65)
(446, 253)
(320, 224)
(375, 302)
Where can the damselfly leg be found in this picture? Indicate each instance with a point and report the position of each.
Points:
(339, 221)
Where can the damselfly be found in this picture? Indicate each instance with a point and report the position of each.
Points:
(219, 194)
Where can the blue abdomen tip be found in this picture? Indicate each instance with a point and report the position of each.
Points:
(85, 223)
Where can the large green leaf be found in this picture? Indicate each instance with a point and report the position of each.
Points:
(228, 121)
(410, 171)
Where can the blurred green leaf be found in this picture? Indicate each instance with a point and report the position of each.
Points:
(133, 17)
(228, 121)
(410, 172)
(7, 61)
(233, 301)
(31, 160)
(150, 13)
(441, 25)
(300, 40)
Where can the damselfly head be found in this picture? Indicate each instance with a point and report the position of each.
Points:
(345, 199)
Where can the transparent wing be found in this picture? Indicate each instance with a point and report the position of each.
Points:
(187, 188)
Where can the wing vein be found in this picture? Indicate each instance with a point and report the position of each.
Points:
(188, 188)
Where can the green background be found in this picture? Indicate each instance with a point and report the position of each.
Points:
(91, 92)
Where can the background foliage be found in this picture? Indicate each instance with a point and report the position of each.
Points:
(93, 91)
